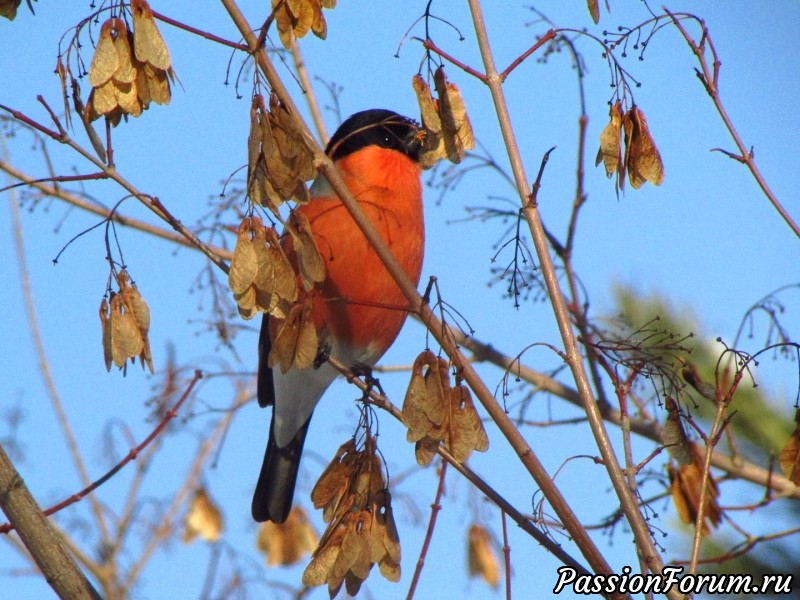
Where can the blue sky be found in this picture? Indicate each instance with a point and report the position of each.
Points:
(707, 239)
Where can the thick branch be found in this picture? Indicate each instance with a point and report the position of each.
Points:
(42, 542)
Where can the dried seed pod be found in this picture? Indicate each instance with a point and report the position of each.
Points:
(203, 519)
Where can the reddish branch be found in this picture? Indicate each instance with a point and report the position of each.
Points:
(435, 508)
(168, 416)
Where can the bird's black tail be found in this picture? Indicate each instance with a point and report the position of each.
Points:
(272, 499)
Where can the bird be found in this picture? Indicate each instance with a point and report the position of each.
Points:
(358, 309)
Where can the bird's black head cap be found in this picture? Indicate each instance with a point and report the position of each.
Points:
(375, 127)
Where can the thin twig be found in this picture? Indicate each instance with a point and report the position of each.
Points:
(436, 506)
(709, 79)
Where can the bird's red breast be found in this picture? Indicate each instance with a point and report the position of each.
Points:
(359, 304)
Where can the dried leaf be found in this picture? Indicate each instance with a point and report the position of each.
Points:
(481, 556)
(148, 46)
(287, 543)
(203, 519)
(790, 454)
(296, 343)
(105, 61)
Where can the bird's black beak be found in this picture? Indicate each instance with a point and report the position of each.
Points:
(413, 142)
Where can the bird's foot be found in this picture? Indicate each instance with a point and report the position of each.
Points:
(365, 371)
(323, 353)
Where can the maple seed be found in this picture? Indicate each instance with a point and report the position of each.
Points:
(674, 436)
(642, 159)
(481, 555)
(594, 10)
(8, 8)
(203, 519)
(309, 260)
(148, 46)
(685, 487)
(458, 135)
(610, 151)
(296, 343)
(287, 543)
(789, 458)
(105, 61)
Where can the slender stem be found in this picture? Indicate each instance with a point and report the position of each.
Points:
(627, 501)
(435, 508)
(308, 90)
(506, 555)
(709, 79)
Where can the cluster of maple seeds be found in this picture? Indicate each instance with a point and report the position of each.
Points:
(435, 413)
(263, 280)
(125, 323)
(352, 493)
(298, 17)
(448, 131)
(129, 69)
(260, 277)
(278, 161)
(642, 160)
